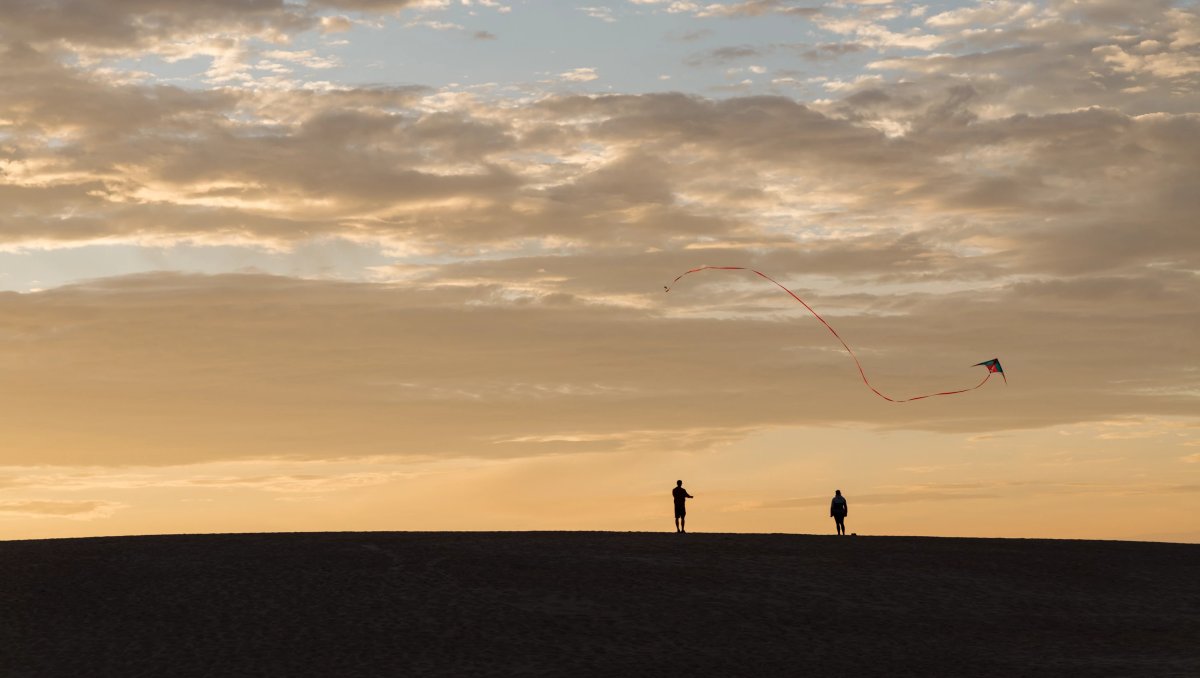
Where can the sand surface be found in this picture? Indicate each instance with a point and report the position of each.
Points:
(604, 604)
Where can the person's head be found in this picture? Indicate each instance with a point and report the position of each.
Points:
(678, 483)
(837, 493)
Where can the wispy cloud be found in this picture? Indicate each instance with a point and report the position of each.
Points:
(737, 9)
(724, 55)
(72, 510)
(316, 482)
(982, 490)
(604, 14)
(579, 75)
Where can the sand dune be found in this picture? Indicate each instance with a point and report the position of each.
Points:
(606, 604)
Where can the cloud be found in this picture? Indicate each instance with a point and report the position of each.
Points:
(145, 24)
(301, 57)
(878, 499)
(271, 167)
(604, 14)
(73, 510)
(990, 14)
(336, 24)
(692, 36)
(579, 75)
(752, 8)
(375, 5)
(520, 357)
(736, 10)
(317, 480)
(724, 55)
(1163, 64)
(830, 51)
(437, 25)
(379, 163)
(983, 490)
(870, 26)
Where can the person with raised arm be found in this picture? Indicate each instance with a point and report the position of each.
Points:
(681, 495)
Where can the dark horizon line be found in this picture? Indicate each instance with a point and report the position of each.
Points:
(586, 532)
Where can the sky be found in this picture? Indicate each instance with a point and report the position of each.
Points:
(399, 265)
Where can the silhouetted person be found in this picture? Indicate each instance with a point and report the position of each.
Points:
(681, 495)
(838, 509)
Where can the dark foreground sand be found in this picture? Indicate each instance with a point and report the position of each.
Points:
(605, 604)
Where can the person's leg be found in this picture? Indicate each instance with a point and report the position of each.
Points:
(676, 523)
(683, 523)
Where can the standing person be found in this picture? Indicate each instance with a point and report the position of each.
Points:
(839, 511)
(681, 495)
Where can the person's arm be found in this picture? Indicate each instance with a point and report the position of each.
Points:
(831, 505)
(690, 497)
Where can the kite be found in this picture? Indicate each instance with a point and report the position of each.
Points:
(993, 365)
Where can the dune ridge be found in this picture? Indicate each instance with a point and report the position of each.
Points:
(595, 603)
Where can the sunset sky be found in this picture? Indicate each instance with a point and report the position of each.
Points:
(399, 265)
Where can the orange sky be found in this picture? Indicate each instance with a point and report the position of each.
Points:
(299, 267)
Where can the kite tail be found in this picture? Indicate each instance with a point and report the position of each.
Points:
(861, 372)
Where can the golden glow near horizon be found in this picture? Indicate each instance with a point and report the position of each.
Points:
(398, 265)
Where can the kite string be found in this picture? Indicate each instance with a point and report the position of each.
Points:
(862, 373)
